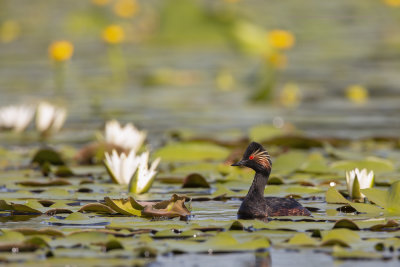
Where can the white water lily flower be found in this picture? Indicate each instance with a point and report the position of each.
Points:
(144, 176)
(121, 167)
(16, 118)
(357, 180)
(50, 118)
(127, 137)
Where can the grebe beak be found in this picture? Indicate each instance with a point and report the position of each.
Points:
(240, 163)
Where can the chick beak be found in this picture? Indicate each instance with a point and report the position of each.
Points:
(239, 163)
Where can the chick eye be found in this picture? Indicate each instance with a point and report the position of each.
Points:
(251, 157)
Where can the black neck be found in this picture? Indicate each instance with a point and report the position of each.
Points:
(257, 187)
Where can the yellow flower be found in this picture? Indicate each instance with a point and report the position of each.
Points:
(9, 31)
(395, 3)
(114, 34)
(100, 2)
(290, 95)
(61, 50)
(126, 8)
(357, 94)
(277, 60)
(281, 39)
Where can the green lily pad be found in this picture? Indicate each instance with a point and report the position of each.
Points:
(296, 141)
(366, 208)
(175, 207)
(195, 180)
(384, 226)
(189, 152)
(97, 207)
(199, 167)
(346, 223)
(122, 206)
(289, 162)
(52, 182)
(221, 242)
(113, 244)
(341, 237)
(333, 196)
(389, 200)
(341, 253)
(44, 231)
(64, 171)
(302, 239)
(315, 163)
(47, 155)
(236, 225)
(378, 196)
(378, 165)
(10, 237)
(393, 199)
(29, 207)
(264, 132)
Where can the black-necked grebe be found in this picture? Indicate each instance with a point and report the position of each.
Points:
(255, 205)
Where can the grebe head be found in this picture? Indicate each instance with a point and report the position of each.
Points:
(256, 158)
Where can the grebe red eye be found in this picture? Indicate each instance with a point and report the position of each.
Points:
(251, 157)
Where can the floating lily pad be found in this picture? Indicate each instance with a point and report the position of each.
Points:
(341, 237)
(346, 223)
(43, 231)
(122, 206)
(264, 132)
(189, 152)
(195, 180)
(222, 242)
(294, 141)
(47, 155)
(52, 182)
(341, 253)
(175, 207)
(393, 198)
(64, 171)
(289, 162)
(97, 207)
(302, 239)
(389, 200)
(378, 165)
(315, 163)
(29, 207)
(333, 196)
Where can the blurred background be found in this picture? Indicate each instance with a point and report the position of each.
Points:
(329, 67)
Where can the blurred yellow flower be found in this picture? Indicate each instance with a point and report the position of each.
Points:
(100, 2)
(9, 31)
(61, 50)
(126, 8)
(281, 39)
(395, 3)
(114, 34)
(290, 95)
(277, 59)
(357, 94)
